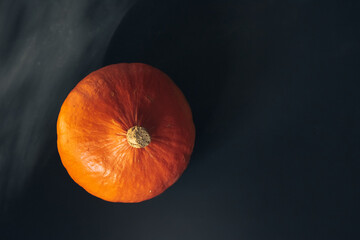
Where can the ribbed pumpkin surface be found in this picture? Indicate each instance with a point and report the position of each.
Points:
(92, 132)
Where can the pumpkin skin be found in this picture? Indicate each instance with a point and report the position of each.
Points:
(92, 132)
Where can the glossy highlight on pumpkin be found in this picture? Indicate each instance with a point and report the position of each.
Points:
(125, 132)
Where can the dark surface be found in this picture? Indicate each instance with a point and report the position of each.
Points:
(274, 89)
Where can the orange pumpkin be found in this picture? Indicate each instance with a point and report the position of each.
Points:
(125, 132)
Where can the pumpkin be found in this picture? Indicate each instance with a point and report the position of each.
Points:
(125, 133)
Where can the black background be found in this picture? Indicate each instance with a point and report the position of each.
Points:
(274, 89)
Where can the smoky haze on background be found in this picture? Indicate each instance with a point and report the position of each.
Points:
(45, 48)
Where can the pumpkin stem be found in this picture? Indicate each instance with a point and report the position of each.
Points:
(138, 137)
